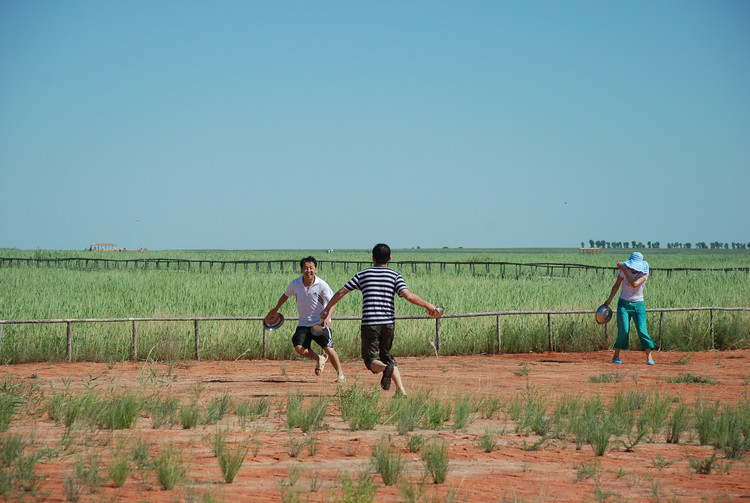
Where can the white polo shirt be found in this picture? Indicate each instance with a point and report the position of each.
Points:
(310, 301)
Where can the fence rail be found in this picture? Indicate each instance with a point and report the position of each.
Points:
(510, 269)
(196, 320)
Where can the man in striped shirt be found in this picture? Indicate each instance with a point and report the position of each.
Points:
(379, 285)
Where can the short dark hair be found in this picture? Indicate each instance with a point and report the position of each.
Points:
(308, 259)
(381, 253)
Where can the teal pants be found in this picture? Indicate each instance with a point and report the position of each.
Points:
(637, 311)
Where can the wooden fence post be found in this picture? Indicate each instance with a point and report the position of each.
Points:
(438, 335)
(499, 337)
(197, 340)
(135, 341)
(265, 342)
(713, 342)
(69, 344)
(549, 330)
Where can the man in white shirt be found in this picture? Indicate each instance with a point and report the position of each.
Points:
(312, 295)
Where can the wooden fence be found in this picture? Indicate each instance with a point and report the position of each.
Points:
(435, 343)
(504, 269)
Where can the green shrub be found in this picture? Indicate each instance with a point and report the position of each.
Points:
(360, 407)
(9, 403)
(606, 377)
(732, 430)
(84, 407)
(437, 413)
(190, 415)
(217, 407)
(169, 467)
(705, 420)
(655, 411)
(163, 411)
(408, 413)
(415, 443)
(601, 431)
(386, 460)
(703, 466)
(462, 413)
(487, 441)
(11, 448)
(490, 405)
(435, 458)
(306, 419)
(230, 461)
(363, 491)
(85, 473)
(119, 470)
(678, 423)
(534, 415)
(690, 379)
(119, 412)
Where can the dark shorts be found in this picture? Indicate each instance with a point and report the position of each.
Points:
(376, 344)
(303, 337)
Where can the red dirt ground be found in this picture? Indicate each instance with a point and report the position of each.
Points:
(654, 471)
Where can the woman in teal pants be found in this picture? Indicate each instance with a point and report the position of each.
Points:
(632, 276)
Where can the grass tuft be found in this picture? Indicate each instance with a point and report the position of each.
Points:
(386, 459)
(435, 458)
(169, 467)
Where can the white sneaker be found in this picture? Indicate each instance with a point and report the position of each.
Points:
(341, 379)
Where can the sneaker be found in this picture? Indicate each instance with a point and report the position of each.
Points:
(341, 379)
(650, 362)
(385, 381)
(616, 361)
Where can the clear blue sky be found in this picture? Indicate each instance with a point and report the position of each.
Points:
(335, 124)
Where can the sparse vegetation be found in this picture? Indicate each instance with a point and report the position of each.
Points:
(487, 441)
(690, 379)
(305, 418)
(360, 406)
(436, 460)
(386, 460)
(96, 415)
(169, 467)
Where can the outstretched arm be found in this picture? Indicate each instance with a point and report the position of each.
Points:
(325, 316)
(282, 299)
(418, 301)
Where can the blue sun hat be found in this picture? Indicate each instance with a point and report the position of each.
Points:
(636, 262)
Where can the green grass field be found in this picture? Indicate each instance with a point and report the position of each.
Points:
(42, 293)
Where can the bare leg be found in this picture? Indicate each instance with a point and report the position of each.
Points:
(334, 357)
(648, 355)
(397, 379)
(309, 353)
(378, 366)
(617, 354)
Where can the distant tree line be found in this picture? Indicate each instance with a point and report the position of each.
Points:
(715, 245)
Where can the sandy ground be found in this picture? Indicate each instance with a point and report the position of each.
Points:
(654, 471)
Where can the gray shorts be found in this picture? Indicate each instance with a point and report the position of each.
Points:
(376, 344)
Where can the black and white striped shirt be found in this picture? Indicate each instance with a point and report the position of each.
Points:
(379, 285)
